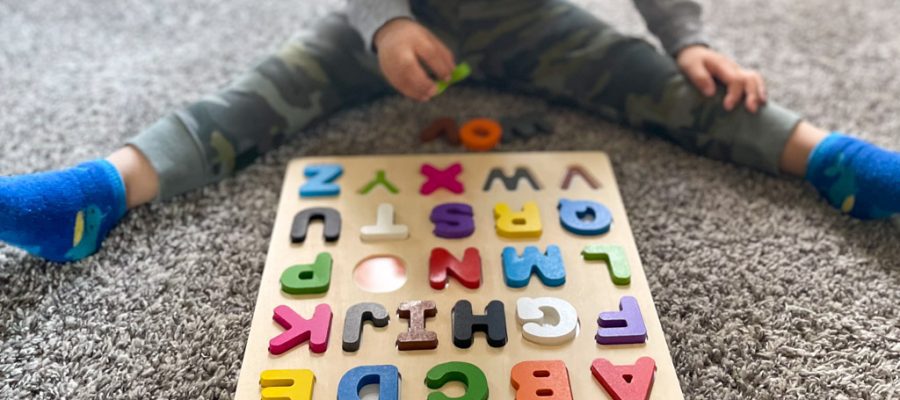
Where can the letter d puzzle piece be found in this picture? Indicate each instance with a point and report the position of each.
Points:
(585, 218)
(387, 377)
(308, 278)
(541, 380)
(625, 382)
(457, 371)
(286, 384)
(299, 330)
(516, 225)
(321, 178)
(625, 326)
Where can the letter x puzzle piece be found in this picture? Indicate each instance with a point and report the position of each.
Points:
(441, 178)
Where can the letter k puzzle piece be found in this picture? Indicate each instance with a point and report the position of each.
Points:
(299, 330)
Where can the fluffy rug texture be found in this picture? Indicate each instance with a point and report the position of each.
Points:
(764, 291)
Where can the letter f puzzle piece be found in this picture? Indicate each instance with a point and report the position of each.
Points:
(625, 326)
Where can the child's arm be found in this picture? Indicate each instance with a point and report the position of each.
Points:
(678, 26)
(403, 46)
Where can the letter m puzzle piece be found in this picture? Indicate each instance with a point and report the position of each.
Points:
(321, 178)
(548, 267)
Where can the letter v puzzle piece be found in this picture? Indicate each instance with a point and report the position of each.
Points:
(299, 330)
(625, 382)
(441, 178)
(625, 326)
(286, 384)
(321, 178)
(308, 278)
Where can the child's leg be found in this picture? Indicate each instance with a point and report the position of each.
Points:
(559, 51)
(65, 215)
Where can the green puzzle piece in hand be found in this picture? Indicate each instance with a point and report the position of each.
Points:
(461, 72)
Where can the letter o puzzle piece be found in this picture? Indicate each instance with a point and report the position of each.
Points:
(585, 218)
(539, 380)
(457, 371)
(308, 278)
(387, 377)
(547, 320)
(481, 134)
(625, 382)
(286, 384)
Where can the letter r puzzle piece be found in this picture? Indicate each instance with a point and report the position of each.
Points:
(625, 382)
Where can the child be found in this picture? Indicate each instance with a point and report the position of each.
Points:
(550, 48)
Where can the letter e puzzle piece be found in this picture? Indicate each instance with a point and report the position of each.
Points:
(331, 219)
(358, 314)
(585, 218)
(417, 337)
(615, 259)
(441, 178)
(548, 266)
(286, 384)
(465, 324)
(625, 326)
(457, 371)
(547, 320)
(625, 382)
(540, 380)
(321, 180)
(384, 228)
(518, 225)
(308, 278)
(387, 377)
(453, 220)
(298, 330)
(442, 265)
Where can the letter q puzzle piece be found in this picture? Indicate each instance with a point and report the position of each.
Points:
(625, 326)
(547, 320)
(467, 374)
(585, 218)
(299, 330)
(625, 382)
(387, 377)
(286, 384)
(540, 380)
(321, 178)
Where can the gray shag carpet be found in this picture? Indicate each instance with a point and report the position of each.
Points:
(764, 291)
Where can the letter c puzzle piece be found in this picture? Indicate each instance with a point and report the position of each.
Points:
(540, 380)
(321, 178)
(625, 382)
(585, 218)
(517, 225)
(547, 320)
(308, 278)
(457, 371)
(286, 384)
(387, 377)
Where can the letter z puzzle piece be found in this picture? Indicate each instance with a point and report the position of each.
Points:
(547, 320)
(467, 374)
(541, 380)
(321, 180)
(308, 278)
(299, 330)
(585, 218)
(286, 384)
(625, 382)
(387, 377)
(625, 326)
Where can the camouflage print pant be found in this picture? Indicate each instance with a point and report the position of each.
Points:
(550, 48)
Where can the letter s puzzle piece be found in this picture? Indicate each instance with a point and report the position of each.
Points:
(321, 178)
(541, 380)
(453, 220)
(547, 320)
(517, 225)
(387, 377)
(625, 382)
(457, 371)
(286, 384)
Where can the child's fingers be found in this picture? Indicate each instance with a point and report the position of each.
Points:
(412, 81)
(431, 53)
(761, 88)
(701, 78)
(752, 101)
(734, 94)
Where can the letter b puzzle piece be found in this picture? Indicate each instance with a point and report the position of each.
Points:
(540, 380)
(625, 382)
(453, 220)
(299, 330)
(524, 224)
(441, 178)
(417, 337)
(547, 320)
(308, 278)
(548, 267)
(357, 314)
(321, 178)
(467, 374)
(625, 326)
(384, 228)
(387, 377)
(585, 218)
(442, 264)
(286, 384)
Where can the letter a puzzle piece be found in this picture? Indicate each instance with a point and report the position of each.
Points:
(516, 225)
(387, 377)
(547, 320)
(321, 178)
(442, 264)
(286, 384)
(625, 382)
(615, 259)
(540, 380)
(357, 314)
(417, 337)
(584, 218)
(453, 220)
(625, 326)
(549, 267)
(384, 228)
(308, 278)
(457, 371)
(441, 178)
(299, 330)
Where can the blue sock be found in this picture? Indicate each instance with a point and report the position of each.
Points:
(856, 177)
(61, 215)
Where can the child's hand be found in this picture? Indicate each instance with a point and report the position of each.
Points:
(403, 46)
(702, 66)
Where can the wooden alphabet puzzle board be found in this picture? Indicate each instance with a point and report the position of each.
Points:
(575, 266)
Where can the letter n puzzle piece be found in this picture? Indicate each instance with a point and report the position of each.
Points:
(357, 314)
(625, 382)
(384, 228)
(417, 337)
(387, 377)
(548, 267)
(286, 384)
(453, 220)
(441, 178)
(517, 225)
(465, 324)
(615, 259)
(547, 320)
(585, 218)
(442, 264)
(330, 217)
(625, 326)
(321, 178)
(299, 330)
(308, 278)
(540, 380)
(457, 371)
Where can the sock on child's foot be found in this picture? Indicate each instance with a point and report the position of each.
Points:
(856, 177)
(62, 215)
